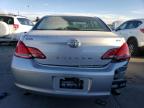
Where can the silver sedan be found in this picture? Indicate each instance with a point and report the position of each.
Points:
(71, 56)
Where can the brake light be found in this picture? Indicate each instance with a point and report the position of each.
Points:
(118, 54)
(142, 30)
(28, 52)
(22, 51)
(36, 53)
(15, 26)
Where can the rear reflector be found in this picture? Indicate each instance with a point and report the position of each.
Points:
(142, 30)
(118, 54)
(15, 26)
(28, 52)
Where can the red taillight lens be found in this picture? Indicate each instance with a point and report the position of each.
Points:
(28, 52)
(15, 26)
(123, 52)
(22, 51)
(142, 30)
(118, 54)
(36, 53)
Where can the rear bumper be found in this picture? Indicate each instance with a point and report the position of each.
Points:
(32, 76)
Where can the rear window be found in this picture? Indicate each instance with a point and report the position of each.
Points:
(8, 20)
(71, 23)
(25, 21)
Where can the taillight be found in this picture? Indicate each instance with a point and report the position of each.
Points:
(15, 26)
(28, 52)
(36, 53)
(22, 51)
(118, 54)
(142, 30)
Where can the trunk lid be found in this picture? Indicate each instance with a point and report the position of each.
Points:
(73, 48)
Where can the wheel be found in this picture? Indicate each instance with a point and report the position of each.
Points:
(133, 47)
(4, 29)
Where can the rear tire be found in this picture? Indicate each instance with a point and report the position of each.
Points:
(133, 47)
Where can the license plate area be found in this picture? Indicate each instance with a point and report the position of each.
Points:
(71, 83)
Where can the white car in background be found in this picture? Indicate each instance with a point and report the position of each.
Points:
(133, 32)
(116, 24)
(12, 26)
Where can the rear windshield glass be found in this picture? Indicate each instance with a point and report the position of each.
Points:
(71, 23)
(8, 20)
(25, 21)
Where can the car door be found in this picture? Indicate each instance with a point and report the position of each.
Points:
(122, 30)
(132, 27)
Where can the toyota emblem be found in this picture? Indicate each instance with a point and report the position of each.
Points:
(74, 43)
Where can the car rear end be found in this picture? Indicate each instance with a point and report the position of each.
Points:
(24, 24)
(17, 25)
(71, 55)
